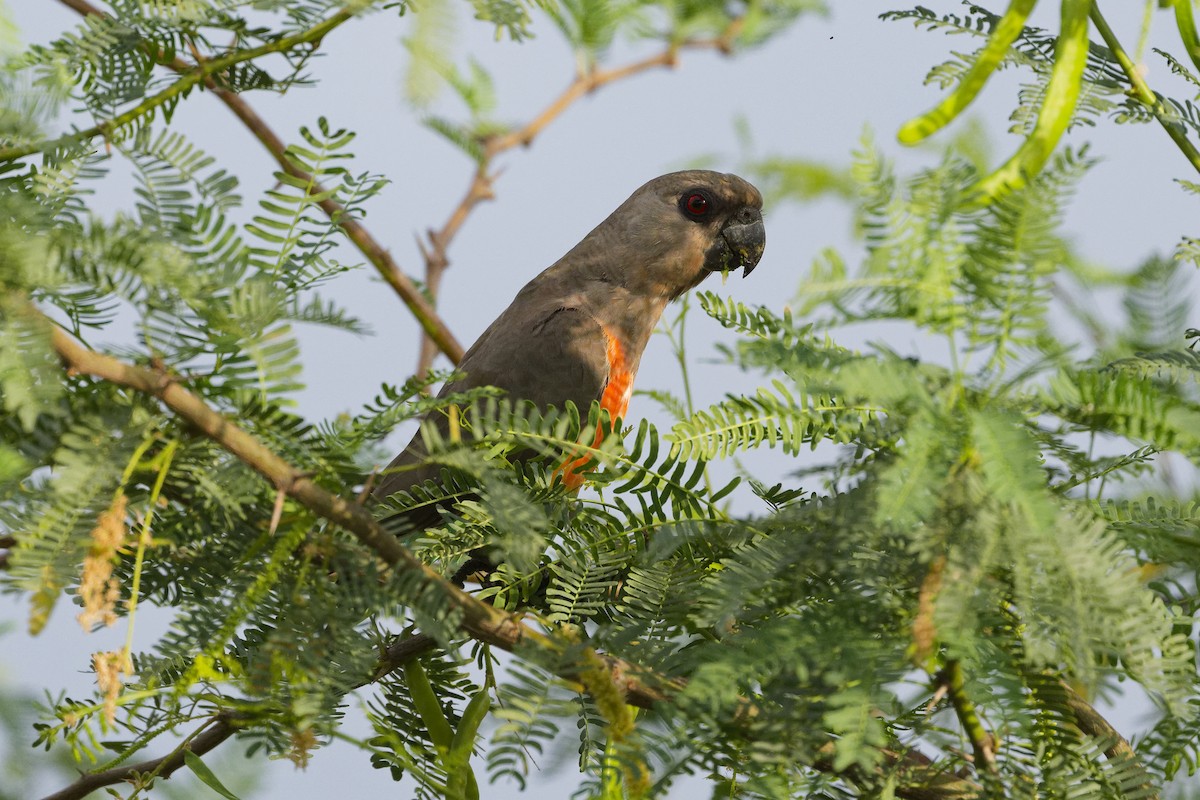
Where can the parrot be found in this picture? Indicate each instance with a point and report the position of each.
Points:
(576, 332)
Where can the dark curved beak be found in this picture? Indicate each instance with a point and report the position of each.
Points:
(746, 238)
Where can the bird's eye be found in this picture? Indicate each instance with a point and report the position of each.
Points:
(696, 205)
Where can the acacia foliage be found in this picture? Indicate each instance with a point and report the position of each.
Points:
(995, 515)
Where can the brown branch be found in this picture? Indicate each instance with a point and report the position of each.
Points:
(917, 776)
(480, 620)
(583, 84)
(434, 328)
(435, 257)
(1091, 723)
(82, 7)
(220, 728)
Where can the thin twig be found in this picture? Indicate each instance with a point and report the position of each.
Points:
(218, 730)
(583, 85)
(434, 328)
(924, 629)
(435, 257)
(588, 82)
(1143, 92)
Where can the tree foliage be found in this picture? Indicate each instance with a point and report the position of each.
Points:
(987, 543)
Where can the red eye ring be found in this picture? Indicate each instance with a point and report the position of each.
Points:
(696, 204)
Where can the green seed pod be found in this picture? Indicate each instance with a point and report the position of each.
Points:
(1002, 37)
(472, 716)
(1058, 106)
(458, 760)
(1186, 22)
(427, 705)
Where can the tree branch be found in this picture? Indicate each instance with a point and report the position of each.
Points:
(208, 738)
(434, 328)
(220, 728)
(82, 7)
(480, 620)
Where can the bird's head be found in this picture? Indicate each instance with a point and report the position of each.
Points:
(676, 230)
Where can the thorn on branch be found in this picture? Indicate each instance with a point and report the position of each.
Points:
(938, 695)
(421, 248)
(435, 254)
(368, 485)
(725, 42)
(277, 511)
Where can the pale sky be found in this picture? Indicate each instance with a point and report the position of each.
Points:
(810, 93)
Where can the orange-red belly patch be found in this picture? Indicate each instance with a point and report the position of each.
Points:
(614, 400)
